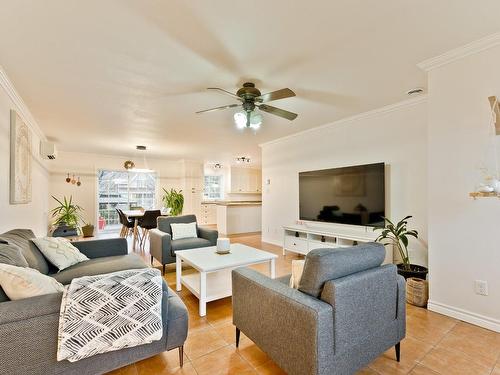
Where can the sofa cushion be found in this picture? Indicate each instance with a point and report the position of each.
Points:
(297, 270)
(24, 282)
(22, 239)
(189, 243)
(59, 251)
(11, 254)
(164, 222)
(322, 265)
(183, 230)
(99, 266)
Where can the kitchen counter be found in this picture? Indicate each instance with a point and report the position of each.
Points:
(235, 217)
(239, 203)
(233, 203)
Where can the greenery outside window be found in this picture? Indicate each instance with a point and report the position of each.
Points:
(124, 190)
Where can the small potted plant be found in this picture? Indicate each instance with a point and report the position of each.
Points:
(173, 201)
(88, 229)
(67, 215)
(397, 236)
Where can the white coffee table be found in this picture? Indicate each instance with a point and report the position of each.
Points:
(213, 279)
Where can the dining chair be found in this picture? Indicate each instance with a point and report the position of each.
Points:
(147, 222)
(127, 225)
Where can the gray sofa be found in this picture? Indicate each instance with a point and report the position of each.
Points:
(29, 327)
(347, 311)
(163, 248)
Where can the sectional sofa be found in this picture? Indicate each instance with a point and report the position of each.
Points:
(29, 327)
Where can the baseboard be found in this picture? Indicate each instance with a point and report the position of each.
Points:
(272, 242)
(466, 316)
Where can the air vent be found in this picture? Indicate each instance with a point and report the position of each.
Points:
(142, 148)
(48, 150)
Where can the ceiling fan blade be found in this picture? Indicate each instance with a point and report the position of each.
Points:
(225, 92)
(278, 112)
(219, 108)
(275, 95)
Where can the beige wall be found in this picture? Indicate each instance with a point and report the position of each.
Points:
(170, 175)
(31, 215)
(396, 135)
(464, 235)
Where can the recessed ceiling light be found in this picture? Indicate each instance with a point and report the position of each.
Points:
(415, 91)
(142, 148)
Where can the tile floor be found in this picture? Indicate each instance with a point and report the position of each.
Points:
(434, 344)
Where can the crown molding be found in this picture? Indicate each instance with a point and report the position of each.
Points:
(460, 52)
(19, 103)
(361, 116)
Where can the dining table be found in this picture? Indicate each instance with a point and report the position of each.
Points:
(136, 215)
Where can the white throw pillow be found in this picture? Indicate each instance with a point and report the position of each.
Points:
(187, 230)
(297, 270)
(24, 282)
(59, 251)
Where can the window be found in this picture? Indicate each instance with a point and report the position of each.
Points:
(124, 190)
(213, 187)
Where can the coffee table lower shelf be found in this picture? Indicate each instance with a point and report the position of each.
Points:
(212, 277)
(218, 284)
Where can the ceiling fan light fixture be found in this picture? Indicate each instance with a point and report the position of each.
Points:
(240, 119)
(255, 120)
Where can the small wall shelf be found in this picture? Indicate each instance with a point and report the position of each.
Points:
(478, 194)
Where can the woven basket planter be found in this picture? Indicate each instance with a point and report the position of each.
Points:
(417, 291)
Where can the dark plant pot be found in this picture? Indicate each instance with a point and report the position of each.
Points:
(88, 231)
(419, 272)
(64, 231)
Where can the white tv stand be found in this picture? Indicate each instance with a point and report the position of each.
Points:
(301, 238)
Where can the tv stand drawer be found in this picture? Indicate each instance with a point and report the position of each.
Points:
(296, 244)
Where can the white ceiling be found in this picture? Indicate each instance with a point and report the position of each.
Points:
(103, 76)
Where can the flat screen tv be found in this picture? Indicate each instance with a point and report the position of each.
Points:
(349, 195)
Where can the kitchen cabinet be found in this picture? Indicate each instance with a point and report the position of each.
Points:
(193, 188)
(208, 214)
(244, 180)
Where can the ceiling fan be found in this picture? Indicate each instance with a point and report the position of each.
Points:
(251, 98)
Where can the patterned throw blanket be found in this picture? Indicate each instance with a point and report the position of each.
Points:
(109, 312)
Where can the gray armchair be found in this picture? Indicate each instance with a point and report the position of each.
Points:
(347, 311)
(163, 248)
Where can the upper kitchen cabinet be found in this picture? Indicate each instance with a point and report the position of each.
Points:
(244, 180)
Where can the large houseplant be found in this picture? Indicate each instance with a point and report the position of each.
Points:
(67, 216)
(397, 235)
(173, 200)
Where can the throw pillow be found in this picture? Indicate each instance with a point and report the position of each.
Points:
(297, 269)
(24, 282)
(11, 254)
(59, 251)
(187, 230)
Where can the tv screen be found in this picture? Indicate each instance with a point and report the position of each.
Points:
(349, 195)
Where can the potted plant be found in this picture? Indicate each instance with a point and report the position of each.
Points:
(88, 230)
(173, 200)
(397, 236)
(67, 215)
